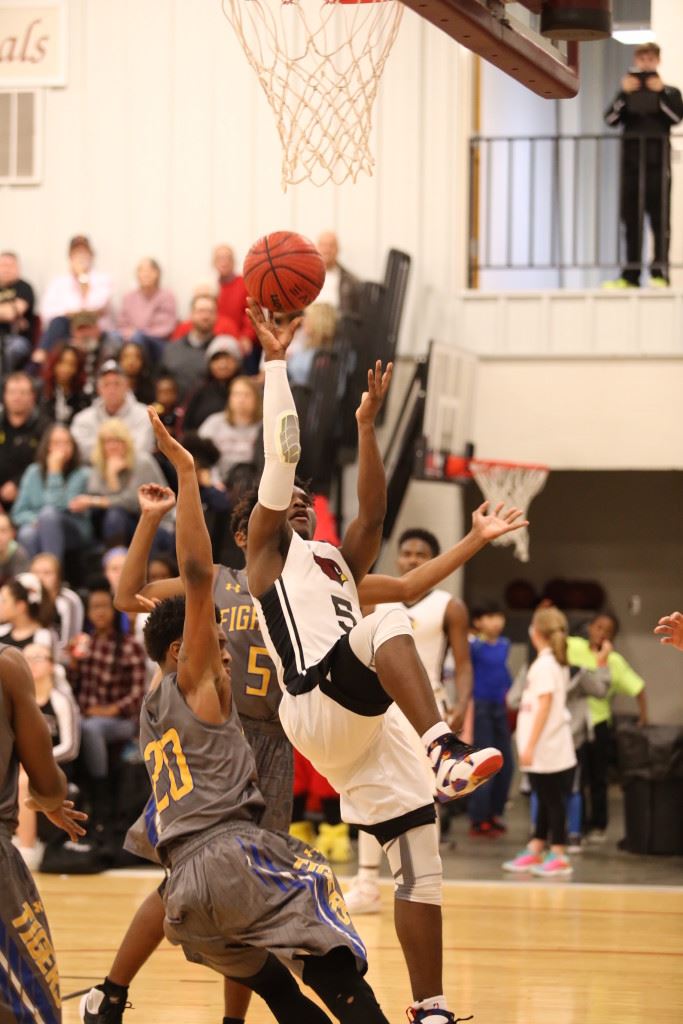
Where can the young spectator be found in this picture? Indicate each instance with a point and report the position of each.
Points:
(64, 380)
(13, 558)
(186, 358)
(114, 402)
(215, 500)
(117, 472)
(232, 295)
(107, 673)
(224, 361)
(82, 288)
(317, 331)
(583, 653)
(236, 430)
(135, 365)
(56, 701)
(166, 404)
(148, 314)
(42, 509)
(489, 651)
(16, 315)
(21, 428)
(68, 616)
(95, 346)
(26, 612)
(545, 746)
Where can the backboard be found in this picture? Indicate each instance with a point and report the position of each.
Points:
(508, 35)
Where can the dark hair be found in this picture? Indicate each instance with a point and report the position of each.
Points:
(166, 375)
(50, 366)
(44, 447)
(166, 560)
(202, 449)
(101, 585)
(485, 608)
(239, 520)
(606, 614)
(424, 535)
(42, 611)
(165, 625)
(647, 48)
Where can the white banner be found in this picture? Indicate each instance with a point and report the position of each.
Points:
(33, 43)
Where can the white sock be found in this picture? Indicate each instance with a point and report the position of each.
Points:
(434, 1003)
(434, 733)
(369, 857)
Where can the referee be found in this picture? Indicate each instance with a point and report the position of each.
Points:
(646, 108)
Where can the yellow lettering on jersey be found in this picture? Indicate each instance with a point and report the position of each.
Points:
(239, 617)
(39, 948)
(244, 616)
(157, 750)
(263, 671)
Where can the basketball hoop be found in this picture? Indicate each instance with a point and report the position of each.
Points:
(319, 63)
(514, 483)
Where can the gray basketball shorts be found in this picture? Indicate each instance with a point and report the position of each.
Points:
(238, 892)
(275, 770)
(29, 979)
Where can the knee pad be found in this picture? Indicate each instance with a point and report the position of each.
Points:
(416, 865)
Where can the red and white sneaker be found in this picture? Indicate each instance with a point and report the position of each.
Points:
(363, 897)
(459, 768)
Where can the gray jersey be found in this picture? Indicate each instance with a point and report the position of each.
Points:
(9, 767)
(202, 775)
(254, 681)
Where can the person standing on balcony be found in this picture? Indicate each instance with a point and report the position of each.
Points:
(647, 109)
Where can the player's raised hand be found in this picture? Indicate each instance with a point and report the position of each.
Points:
(670, 630)
(373, 399)
(501, 520)
(155, 499)
(167, 445)
(275, 339)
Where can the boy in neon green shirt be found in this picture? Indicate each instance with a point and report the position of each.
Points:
(584, 654)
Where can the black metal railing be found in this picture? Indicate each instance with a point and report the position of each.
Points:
(554, 202)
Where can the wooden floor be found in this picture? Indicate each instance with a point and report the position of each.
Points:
(517, 953)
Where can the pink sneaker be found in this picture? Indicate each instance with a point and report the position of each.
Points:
(554, 866)
(524, 861)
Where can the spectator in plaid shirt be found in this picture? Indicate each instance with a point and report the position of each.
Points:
(107, 673)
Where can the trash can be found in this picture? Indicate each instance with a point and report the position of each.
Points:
(651, 766)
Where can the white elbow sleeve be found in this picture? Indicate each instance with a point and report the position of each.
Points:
(280, 438)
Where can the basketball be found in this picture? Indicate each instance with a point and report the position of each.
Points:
(284, 272)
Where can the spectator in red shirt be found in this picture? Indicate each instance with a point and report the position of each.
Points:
(232, 295)
(107, 672)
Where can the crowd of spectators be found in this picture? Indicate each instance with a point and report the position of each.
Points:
(78, 369)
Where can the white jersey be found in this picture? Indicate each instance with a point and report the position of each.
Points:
(312, 603)
(427, 619)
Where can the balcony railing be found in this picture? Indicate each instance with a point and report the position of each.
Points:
(552, 202)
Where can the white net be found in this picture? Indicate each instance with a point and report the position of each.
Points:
(514, 484)
(319, 63)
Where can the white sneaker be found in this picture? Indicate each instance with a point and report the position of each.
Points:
(32, 856)
(597, 835)
(574, 844)
(460, 768)
(363, 897)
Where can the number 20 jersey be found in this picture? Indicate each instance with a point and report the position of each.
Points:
(254, 683)
(312, 603)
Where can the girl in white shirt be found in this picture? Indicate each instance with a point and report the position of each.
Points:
(545, 746)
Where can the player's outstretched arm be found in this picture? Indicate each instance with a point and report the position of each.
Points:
(133, 593)
(47, 782)
(377, 589)
(670, 630)
(363, 537)
(200, 665)
(269, 532)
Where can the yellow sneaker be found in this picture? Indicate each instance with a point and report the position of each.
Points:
(303, 831)
(619, 284)
(334, 844)
(659, 282)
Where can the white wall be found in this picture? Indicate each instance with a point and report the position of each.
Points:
(163, 143)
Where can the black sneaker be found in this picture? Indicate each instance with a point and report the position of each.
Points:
(99, 1008)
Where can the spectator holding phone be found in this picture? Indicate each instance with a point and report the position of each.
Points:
(647, 109)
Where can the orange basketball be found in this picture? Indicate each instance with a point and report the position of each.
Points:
(284, 272)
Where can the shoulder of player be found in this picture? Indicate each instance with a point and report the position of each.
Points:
(455, 610)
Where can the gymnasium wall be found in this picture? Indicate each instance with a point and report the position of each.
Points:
(163, 143)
